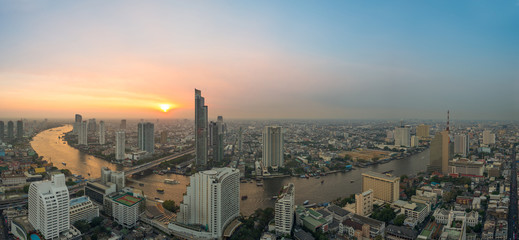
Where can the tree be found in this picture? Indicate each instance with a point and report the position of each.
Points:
(96, 221)
(82, 226)
(399, 220)
(170, 205)
(26, 188)
(80, 193)
(66, 172)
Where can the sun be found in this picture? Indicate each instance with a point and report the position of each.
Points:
(165, 107)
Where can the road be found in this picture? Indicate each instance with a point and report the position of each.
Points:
(512, 213)
(155, 163)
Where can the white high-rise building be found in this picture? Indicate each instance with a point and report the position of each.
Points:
(403, 136)
(83, 134)
(284, 210)
(102, 133)
(273, 147)
(49, 210)
(488, 137)
(118, 179)
(119, 145)
(212, 200)
(461, 144)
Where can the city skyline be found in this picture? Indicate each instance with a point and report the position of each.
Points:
(269, 60)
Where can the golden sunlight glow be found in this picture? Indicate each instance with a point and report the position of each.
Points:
(165, 107)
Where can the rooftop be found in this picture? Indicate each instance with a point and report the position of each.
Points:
(78, 200)
(337, 210)
(126, 199)
(380, 175)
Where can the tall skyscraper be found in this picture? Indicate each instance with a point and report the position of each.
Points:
(77, 124)
(200, 128)
(92, 125)
(49, 206)
(440, 153)
(403, 136)
(19, 129)
(123, 124)
(163, 137)
(10, 130)
(461, 144)
(422, 131)
(212, 200)
(240, 142)
(119, 145)
(273, 147)
(102, 133)
(284, 210)
(216, 141)
(83, 134)
(118, 179)
(146, 137)
(385, 187)
(2, 131)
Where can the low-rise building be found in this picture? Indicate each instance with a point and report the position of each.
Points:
(311, 219)
(399, 233)
(82, 208)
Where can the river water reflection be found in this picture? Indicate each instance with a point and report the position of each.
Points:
(48, 145)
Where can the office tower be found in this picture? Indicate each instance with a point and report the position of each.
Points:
(82, 208)
(440, 153)
(212, 200)
(83, 134)
(125, 208)
(240, 142)
(384, 187)
(273, 147)
(10, 130)
(422, 131)
(414, 141)
(284, 210)
(119, 145)
(19, 129)
(364, 203)
(403, 136)
(92, 125)
(106, 175)
(461, 144)
(2, 131)
(102, 133)
(164, 137)
(488, 137)
(146, 137)
(200, 128)
(123, 124)
(77, 124)
(49, 210)
(216, 139)
(118, 179)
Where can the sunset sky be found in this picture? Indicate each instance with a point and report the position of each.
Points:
(260, 59)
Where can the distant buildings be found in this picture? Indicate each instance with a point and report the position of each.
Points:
(83, 134)
(461, 144)
(273, 147)
(2, 131)
(146, 137)
(19, 129)
(77, 124)
(422, 131)
(211, 202)
(49, 206)
(466, 167)
(488, 137)
(120, 145)
(123, 125)
(403, 136)
(440, 153)
(10, 130)
(364, 203)
(92, 125)
(102, 133)
(284, 210)
(200, 128)
(385, 188)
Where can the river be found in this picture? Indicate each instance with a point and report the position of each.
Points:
(51, 147)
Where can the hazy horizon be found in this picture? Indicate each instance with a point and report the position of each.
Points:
(343, 60)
